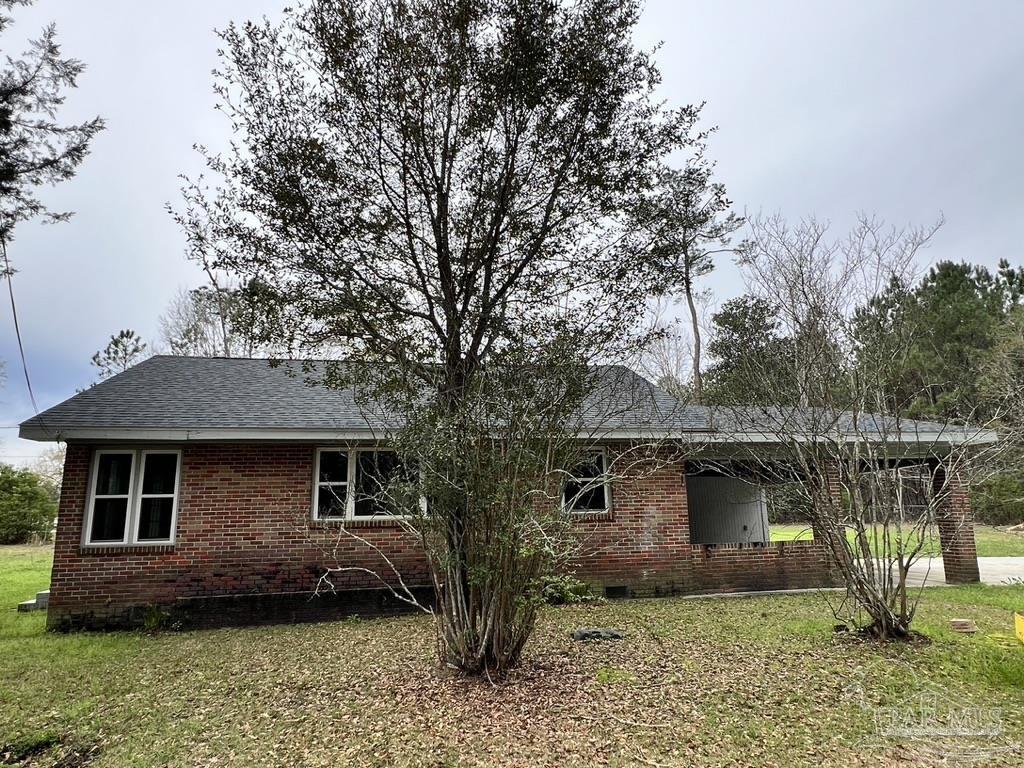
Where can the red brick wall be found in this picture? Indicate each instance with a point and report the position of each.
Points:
(244, 528)
(779, 565)
(644, 545)
(643, 542)
(956, 529)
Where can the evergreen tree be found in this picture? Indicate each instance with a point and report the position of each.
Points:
(124, 350)
(448, 193)
(747, 349)
(35, 149)
(690, 220)
(959, 335)
(953, 320)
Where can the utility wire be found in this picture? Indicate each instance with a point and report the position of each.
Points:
(17, 328)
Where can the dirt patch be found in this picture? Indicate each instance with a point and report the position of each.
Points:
(48, 749)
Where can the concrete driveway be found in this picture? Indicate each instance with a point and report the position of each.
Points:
(994, 570)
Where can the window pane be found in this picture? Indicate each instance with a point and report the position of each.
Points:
(333, 467)
(589, 468)
(113, 474)
(375, 471)
(589, 500)
(108, 519)
(160, 473)
(155, 519)
(331, 501)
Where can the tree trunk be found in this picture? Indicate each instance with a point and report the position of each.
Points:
(483, 622)
(698, 382)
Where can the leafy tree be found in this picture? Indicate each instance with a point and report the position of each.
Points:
(957, 341)
(1004, 368)
(746, 338)
(881, 334)
(35, 149)
(1010, 283)
(689, 220)
(1001, 500)
(448, 192)
(955, 313)
(124, 350)
(27, 507)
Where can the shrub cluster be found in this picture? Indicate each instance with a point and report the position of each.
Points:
(27, 507)
(999, 500)
(566, 589)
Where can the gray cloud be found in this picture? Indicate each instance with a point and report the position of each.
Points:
(904, 109)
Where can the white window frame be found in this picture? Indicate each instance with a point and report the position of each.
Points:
(350, 486)
(134, 506)
(605, 484)
(347, 483)
(143, 454)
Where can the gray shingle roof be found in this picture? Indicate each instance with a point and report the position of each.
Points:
(205, 393)
(198, 393)
(224, 398)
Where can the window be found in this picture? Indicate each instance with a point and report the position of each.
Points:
(587, 489)
(111, 497)
(368, 473)
(376, 471)
(332, 484)
(133, 498)
(157, 496)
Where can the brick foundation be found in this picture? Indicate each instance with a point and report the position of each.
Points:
(247, 552)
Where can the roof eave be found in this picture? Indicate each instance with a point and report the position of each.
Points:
(185, 435)
(55, 433)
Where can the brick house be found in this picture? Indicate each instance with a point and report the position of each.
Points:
(210, 489)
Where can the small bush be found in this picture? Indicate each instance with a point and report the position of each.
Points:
(567, 589)
(156, 619)
(27, 509)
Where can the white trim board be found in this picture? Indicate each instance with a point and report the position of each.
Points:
(223, 435)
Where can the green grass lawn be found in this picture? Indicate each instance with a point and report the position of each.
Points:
(714, 682)
(991, 542)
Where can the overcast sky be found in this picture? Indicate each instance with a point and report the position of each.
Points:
(904, 109)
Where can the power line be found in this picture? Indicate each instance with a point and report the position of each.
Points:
(17, 327)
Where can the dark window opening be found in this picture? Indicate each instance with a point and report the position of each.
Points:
(586, 490)
(377, 473)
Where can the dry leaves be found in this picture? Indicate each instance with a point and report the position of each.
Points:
(710, 683)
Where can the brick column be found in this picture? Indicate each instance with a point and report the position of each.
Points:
(956, 529)
(834, 489)
(826, 538)
(67, 582)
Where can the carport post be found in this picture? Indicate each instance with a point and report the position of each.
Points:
(956, 528)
